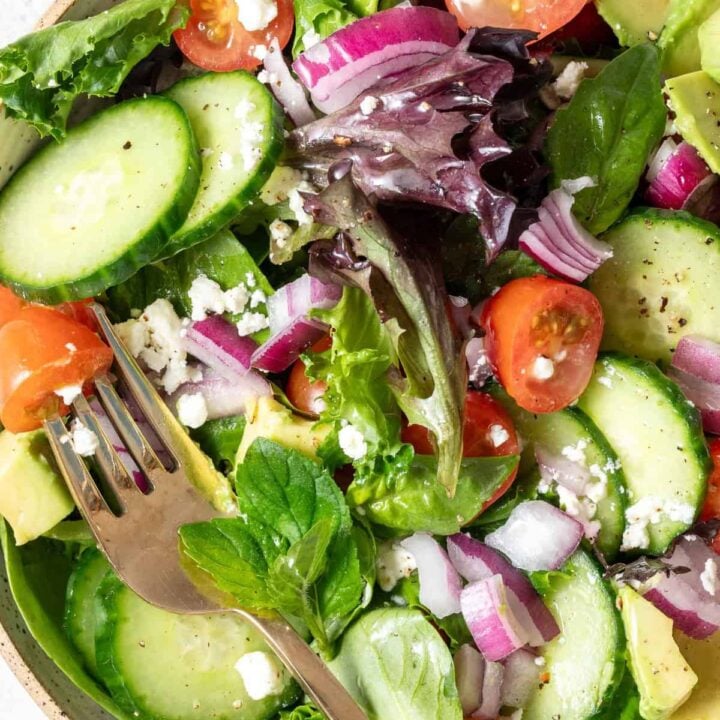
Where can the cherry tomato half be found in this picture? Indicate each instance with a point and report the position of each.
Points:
(214, 38)
(542, 16)
(711, 508)
(542, 339)
(10, 305)
(43, 350)
(488, 431)
(304, 394)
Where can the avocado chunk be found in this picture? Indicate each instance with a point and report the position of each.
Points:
(267, 418)
(33, 495)
(663, 676)
(695, 99)
(634, 22)
(709, 38)
(679, 39)
(704, 658)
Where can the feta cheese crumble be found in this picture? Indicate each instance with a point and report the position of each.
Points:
(543, 368)
(206, 298)
(569, 79)
(261, 674)
(709, 576)
(498, 435)
(68, 393)
(650, 511)
(252, 322)
(256, 15)
(84, 441)
(352, 442)
(192, 410)
(393, 564)
(369, 104)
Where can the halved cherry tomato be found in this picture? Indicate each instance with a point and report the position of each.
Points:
(488, 431)
(542, 16)
(10, 305)
(81, 311)
(43, 350)
(587, 28)
(304, 394)
(214, 38)
(711, 508)
(542, 340)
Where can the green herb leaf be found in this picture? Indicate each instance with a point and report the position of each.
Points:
(380, 665)
(607, 133)
(220, 439)
(302, 712)
(42, 74)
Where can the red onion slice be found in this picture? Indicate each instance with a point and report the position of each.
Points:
(561, 470)
(283, 349)
(288, 91)
(537, 536)
(338, 69)
(674, 173)
(440, 584)
(469, 675)
(297, 298)
(217, 343)
(476, 561)
(491, 692)
(520, 679)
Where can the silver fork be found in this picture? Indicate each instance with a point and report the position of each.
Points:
(140, 539)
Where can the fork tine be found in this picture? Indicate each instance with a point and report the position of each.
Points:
(114, 472)
(121, 418)
(77, 476)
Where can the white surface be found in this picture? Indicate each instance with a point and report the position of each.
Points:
(17, 17)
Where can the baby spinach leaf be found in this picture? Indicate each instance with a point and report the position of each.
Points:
(220, 439)
(42, 74)
(607, 133)
(380, 665)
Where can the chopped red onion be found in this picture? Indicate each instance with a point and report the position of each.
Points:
(284, 348)
(338, 69)
(217, 343)
(537, 536)
(520, 679)
(491, 692)
(476, 561)
(288, 91)
(559, 469)
(469, 675)
(674, 173)
(490, 619)
(440, 584)
(559, 242)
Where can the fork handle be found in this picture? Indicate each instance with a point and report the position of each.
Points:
(309, 670)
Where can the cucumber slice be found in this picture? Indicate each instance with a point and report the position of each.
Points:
(80, 615)
(239, 128)
(88, 213)
(658, 284)
(586, 663)
(572, 429)
(658, 437)
(162, 666)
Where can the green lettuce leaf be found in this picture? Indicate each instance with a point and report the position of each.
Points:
(291, 549)
(607, 133)
(302, 712)
(42, 74)
(380, 665)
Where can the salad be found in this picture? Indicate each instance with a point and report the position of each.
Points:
(434, 288)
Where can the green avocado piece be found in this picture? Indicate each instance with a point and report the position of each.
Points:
(634, 22)
(663, 676)
(709, 39)
(695, 99)
(267, 418)
(33, 495)
(679, 39)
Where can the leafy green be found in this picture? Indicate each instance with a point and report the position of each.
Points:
(414, 502)
(410, 296)
(381, 665)
(220, 440)
(607, 133)
(302, 712)
(38, 574)
(547, 582)
(324, 17)
(291, 549)
(42, 74)
(625, 704)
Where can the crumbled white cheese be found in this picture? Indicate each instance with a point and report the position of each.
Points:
(296, 202)
(369, 104)
(84, 441)
(498, 435)
(206, 298)
(259, 52)
(68, 393)
(310, 39)
(352, 442)
(581, 508)
(252, 322)
(393, 564)
(280, 232)
(575, 453)
(569, 79)
(261, 674)
(709, 576)
(135, 336)
(648, 511)
(236, 299)
(281, 182)
(71, 347)
(192, 410)
(543, 368)
(256, 15)
(257, 298)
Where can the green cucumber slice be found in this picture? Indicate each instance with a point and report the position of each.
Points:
(586, 663)
(88, 213)
(239, 128)
(659, 283)
(162, 666)
(658, 437)
(80, 615)
(567, 430)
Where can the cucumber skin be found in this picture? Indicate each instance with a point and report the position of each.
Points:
(227, 214)
(146, 250)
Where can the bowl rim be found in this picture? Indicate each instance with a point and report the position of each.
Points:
(32, 684)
